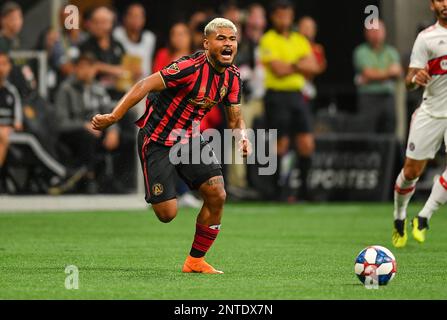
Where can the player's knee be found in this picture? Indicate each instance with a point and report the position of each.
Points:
(221, 196)
(217, 198)
(165, 215)
(412, 172)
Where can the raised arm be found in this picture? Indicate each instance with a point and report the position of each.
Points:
(152, 83)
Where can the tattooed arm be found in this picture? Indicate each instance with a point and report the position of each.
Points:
(150, 84)
(237, 123)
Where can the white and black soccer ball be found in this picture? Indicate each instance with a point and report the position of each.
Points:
(376, 258)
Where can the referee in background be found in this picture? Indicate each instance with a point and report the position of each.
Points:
(288, 58)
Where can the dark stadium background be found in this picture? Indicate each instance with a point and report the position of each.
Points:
(335, 19)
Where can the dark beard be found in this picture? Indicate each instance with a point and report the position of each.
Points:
(218, 63)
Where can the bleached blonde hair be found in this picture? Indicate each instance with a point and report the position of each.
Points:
(217, 23)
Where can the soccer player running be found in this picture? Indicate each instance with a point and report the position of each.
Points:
(428, 69)
(180, 94)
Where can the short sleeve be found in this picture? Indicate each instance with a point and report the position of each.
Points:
(234, 93)
(395, 57)
(419, 55)
(179, 72)
(361, 60)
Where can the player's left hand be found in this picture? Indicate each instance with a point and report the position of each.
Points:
(245, 147)
(111, 140)
(103, 121)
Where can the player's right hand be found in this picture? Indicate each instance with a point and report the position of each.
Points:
(103, 121)
(422, 78)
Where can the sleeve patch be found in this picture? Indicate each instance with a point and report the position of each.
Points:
(173, 69)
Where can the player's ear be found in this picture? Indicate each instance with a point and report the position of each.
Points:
(206, 44)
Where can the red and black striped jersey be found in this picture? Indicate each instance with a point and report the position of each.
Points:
(192, 88)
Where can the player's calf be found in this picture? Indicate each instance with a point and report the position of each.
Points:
(214, 196)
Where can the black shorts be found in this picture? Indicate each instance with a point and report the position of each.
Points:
(160, 174)
(287, 112)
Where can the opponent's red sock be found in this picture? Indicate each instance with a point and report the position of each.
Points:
(203, 239)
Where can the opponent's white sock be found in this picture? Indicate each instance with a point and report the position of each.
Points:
(403, 191)
(438, 197)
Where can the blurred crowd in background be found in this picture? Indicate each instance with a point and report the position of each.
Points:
(47, 145)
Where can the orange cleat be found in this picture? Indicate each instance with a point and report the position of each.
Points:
(198, 265)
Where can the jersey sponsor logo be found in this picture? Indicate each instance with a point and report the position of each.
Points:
(173, 69)
(412, 146)
(204, 103)
(438, 66)
(157, 189)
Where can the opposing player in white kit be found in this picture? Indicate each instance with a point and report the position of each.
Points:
(428, 129)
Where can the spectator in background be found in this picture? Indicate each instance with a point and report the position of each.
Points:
(10, 111)
(179, 45)
(138, 43)
(78, 99)
(252, 71)
(62, 47)
(11, 25)
(113, 76)
(21, 76)
(12, 133)
(378, 67)
(308, 28)
(233, 13)
(196, 24)
(287, 57)
(107, 51)
(252, 76)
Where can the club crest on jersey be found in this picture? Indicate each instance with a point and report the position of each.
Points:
(173, 69)
(157, 189)
(223, 91)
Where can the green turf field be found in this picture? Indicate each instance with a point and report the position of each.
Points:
(267, 251)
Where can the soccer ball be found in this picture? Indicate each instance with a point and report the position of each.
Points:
(378, 259)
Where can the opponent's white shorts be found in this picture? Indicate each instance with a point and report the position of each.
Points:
(426, 135)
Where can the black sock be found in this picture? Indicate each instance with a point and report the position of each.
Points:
(422, 223)
(196, 253)
(282, 181)
(304, 165)
(400, 226)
